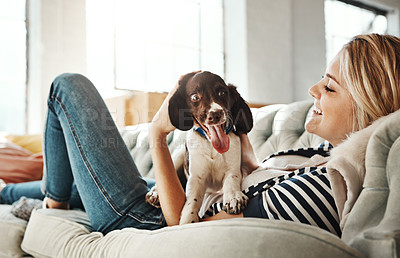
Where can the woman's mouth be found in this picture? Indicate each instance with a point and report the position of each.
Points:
(317, 111)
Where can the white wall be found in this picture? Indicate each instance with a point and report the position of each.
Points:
(57, 44)
(235, 43)
(284, 48)
(275, 50)
(308, 58)
(270, 51)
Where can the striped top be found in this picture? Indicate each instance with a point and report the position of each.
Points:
(303, 195)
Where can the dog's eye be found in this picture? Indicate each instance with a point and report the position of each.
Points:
(221, 93)
(195, 97)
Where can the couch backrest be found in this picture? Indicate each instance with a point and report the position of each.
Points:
(276, 127)
(281, 127)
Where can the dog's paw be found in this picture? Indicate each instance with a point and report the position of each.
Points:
(152, 197)
(188, 215)
(235, 202)
(187, 218)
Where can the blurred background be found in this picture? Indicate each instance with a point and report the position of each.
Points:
(135, 50)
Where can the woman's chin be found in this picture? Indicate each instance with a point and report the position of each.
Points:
(311, 126)
(313, 123)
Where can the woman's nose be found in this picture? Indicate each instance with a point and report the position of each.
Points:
(313, 91)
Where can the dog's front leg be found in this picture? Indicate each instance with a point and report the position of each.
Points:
(195, 189)
(234, 199)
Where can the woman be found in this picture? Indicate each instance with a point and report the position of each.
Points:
(82, 146)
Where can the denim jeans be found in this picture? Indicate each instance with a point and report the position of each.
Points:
(12, 192)
(82, 146)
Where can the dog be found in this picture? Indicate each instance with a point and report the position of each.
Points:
(215, 114)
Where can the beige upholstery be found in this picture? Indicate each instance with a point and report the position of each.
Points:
(12, 231)
(51, 236)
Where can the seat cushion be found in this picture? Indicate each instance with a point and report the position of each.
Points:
(12, 231)
(48, 235)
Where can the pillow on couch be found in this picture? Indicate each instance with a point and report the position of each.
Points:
(30, 142)
(18, 164)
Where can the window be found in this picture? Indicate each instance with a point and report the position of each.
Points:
(13, 70)
(147, 45)
(345, 19)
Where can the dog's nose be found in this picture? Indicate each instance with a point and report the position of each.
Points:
(215, 116)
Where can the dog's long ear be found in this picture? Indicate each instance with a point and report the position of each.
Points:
(178, 109)
(240, 111)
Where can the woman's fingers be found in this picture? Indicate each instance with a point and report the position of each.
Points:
(161, 123)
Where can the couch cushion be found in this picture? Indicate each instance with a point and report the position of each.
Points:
(51, 236)
(12, 231)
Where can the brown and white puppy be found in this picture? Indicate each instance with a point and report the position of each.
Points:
(218, 115)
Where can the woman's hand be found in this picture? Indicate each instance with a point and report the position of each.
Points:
(161, 124)
(249, 160)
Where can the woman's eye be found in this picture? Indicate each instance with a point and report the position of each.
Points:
(328, 89)
(195, 97)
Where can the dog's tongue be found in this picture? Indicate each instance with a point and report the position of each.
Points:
(219, 139)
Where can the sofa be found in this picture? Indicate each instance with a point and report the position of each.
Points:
(372, 228)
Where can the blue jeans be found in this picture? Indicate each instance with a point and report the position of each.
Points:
(82, 146)
(12, 193)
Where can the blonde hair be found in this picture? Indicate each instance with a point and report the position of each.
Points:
(370, 69)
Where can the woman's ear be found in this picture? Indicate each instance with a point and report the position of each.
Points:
(240, 111)
(178, 109)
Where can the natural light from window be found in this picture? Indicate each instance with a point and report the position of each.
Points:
(344, 21)
(151, 43)
(12, 66)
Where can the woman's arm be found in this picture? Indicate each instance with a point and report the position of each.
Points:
(170, 192)
(249, 160)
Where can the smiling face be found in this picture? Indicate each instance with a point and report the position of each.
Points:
(332, 117)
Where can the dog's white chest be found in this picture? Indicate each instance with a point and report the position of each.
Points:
(210, 170)
(205, 161)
